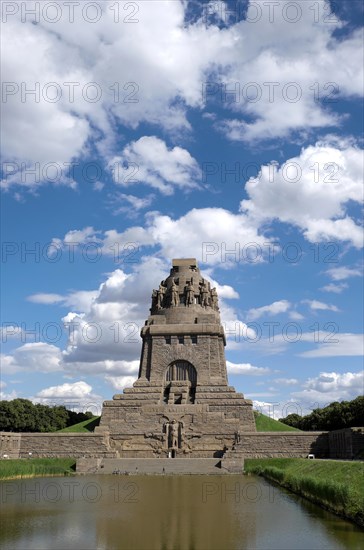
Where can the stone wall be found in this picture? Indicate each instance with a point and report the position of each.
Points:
(281, 445)
(343, 444)
(347, 443)
(52, 445)
(10, 444)
(252, 445)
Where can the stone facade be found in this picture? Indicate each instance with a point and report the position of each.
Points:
(181, 405)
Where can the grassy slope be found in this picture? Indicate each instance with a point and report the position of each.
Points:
(266, 424)
(336, 485)
(85, 426)
(263, 424)
(36, 467)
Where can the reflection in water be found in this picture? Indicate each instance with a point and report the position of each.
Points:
(165, 512)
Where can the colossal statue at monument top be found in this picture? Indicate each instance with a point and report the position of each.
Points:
(181, 404)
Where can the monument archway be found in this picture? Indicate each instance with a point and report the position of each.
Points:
(180, 383)
(181, 370)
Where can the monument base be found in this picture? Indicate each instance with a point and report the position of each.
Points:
(206, 429)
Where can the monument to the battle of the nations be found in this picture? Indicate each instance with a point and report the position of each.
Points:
(181, 404)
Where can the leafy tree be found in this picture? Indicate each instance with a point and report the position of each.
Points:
(337, 415)
(292, 419)
(21, 415)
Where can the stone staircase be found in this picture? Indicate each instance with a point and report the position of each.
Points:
(151, 466)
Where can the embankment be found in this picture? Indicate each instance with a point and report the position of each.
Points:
(335, 485)
(32, 467)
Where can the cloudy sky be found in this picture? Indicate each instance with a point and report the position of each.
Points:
(137, 132)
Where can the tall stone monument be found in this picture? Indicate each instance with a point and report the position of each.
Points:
(181, 404)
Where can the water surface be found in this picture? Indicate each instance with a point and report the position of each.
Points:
(165, 512)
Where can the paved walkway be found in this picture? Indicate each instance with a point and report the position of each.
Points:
(160, 466)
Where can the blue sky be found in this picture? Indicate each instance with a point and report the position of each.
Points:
(138, 132)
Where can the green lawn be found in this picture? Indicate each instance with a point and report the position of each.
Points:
(265, 424)
(29, 467)
(85, 426)
(336, 485)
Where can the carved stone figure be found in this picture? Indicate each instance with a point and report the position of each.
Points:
(174, 294)
(173, 434)
(214, 299)
(204, 295)
(154, 301)
(190, 294)
(160, 296)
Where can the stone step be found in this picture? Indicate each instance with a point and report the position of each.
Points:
(151, 386)
(150, 396)
(222, 403)
(215, 389)
(222, 399)
(218, 394)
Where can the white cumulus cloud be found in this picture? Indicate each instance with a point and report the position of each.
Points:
(36, 356)
(335, 288)
(332, 386)
(311, 191)
(155, 71)
(246, 368)
(316, 305)
(343, 272)
(335, 344)
(149, 161)
(281, 306)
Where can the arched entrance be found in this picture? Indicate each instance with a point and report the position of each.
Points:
(180, 383)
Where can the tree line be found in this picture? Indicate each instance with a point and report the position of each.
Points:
(337, 415)
(21, 415)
